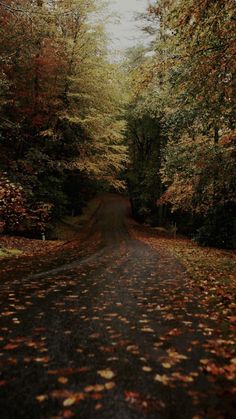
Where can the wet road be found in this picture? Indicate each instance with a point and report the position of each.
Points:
(118, 333)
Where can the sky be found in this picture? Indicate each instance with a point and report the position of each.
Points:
(126, 33)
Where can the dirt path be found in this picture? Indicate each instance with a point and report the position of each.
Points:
(116, 332)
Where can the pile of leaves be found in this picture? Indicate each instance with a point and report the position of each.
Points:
(212, 270)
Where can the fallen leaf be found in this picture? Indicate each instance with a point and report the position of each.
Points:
(164, 379)
(183, 378)
(96, 396)
(62, 380)
(174, 332)
(98, 406)
(110, 385)
(96, 387)
(107, 374)
(42, 359)
(147, 329)
(41, 398)
(166, 365)
(146, 368)
(131, 396)
(10, 346)
(69, 402)
(68, 414)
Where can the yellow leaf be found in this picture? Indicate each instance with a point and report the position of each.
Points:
(108, 374)
(204, 361)
(147, 329)
(146, 368)
(41, 398)
(162, 379)
(69, 401)
(166, 365)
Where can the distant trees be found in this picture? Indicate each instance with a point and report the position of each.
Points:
(145, 139)
(61, 100)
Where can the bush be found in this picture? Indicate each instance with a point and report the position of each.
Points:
(17, 213)
(219, 229)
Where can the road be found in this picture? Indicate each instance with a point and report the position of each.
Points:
(116, 333)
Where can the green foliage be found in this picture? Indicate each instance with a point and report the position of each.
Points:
(194, 63)
(199, 174)
(219, 228)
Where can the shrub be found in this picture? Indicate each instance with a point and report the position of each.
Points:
(19, 214)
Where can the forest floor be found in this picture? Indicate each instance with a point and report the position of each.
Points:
(118, 323)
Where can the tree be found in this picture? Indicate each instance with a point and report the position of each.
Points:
(61, 107)
(145, 139)
(186, 85)
(199, 175)
(195, 50)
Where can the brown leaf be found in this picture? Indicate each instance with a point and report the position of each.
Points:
(10, 346)
(62, 380)
(98, 406)
(68, 414)
(96, 387)
(110, 385)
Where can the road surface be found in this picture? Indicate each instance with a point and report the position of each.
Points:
(116, 333)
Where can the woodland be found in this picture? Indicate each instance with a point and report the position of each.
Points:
(117, 203)
(158, 126)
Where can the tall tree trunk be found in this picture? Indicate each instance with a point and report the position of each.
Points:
(36, 68)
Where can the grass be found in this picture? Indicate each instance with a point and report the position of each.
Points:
(6, 253)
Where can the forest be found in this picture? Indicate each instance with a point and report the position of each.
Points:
(158, 126)
(117, 209)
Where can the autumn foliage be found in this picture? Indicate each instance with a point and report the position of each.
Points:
(60, 109)
(185, 83)
(17, 213)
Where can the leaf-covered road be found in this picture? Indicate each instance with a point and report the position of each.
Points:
(119, 332)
